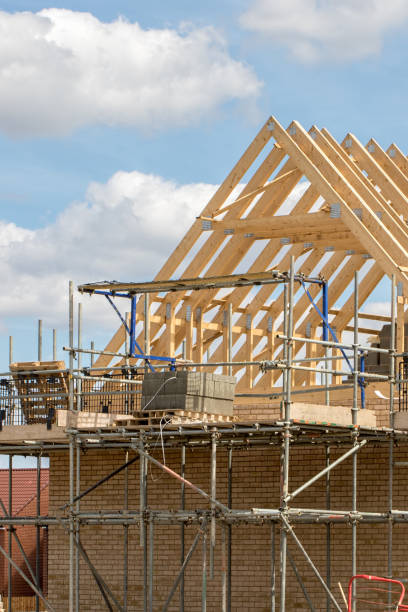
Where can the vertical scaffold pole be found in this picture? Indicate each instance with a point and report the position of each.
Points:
(71, 587)
(229, 531)
(143, 527)
(71, 601)
(10, 349)
(133, 303)
(286, 432)
(38, 534)
(273, 569)
(77, 527)
(125, 534)
(182, 528)
(354, 421)
(391, 442)
(151, 561)
(92, 354)
(10, 540)
(78, 464)
(146, 325)
(204, 572)
(325, 308)
(39, 340)
(213, 525)
(328, 531)
(54, 344)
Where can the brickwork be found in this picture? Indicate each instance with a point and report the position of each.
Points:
(255, 484)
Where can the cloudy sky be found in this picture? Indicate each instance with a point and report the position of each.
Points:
(118, 120)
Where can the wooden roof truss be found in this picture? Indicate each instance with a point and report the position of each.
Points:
(336, 207)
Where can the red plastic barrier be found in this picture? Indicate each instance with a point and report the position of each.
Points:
(401, 593)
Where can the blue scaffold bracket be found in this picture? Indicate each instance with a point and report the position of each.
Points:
(326, 326)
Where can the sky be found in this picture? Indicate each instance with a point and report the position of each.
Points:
(119, 119)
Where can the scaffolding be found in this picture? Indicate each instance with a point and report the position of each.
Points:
(116, 390)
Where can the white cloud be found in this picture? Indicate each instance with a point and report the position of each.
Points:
(325, 30)
(124, 230)
(61, 69)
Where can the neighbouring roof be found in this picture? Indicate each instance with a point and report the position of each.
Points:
(24, 488)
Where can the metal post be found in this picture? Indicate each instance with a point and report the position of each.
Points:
(229, 332)
(54, 344)
(10, 543)
(71, 601)
(38, 534)
(328, 530)
(325, 307)
(391, 442)
(182, 528)
(92, 354)
(204, 572)
(10, 349)
(224, 568)
(79, 356)
(40, 340)
(229, 531)
(151, 560)
(77, 527)
(125, 534)
(286, 435)
(213, 495)
(273, 569)
(146, 324)
(143, 530)
(354, 421)
(132, 325)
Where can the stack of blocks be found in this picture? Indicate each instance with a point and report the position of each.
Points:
(189, 391)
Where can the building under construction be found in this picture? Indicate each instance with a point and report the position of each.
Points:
(241, 443)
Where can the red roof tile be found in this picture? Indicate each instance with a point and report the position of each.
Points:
(24, 487)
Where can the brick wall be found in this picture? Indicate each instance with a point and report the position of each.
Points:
(255, 484)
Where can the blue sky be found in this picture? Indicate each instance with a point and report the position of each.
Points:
(77, 134)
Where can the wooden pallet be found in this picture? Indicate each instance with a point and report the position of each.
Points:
(172, 419)
(36, 385)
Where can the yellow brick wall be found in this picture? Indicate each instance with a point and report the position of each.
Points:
(255, 484)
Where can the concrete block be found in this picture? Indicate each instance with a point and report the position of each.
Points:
(401, 420)
(338, 415)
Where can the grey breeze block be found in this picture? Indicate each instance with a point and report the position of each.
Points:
(193, 391)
